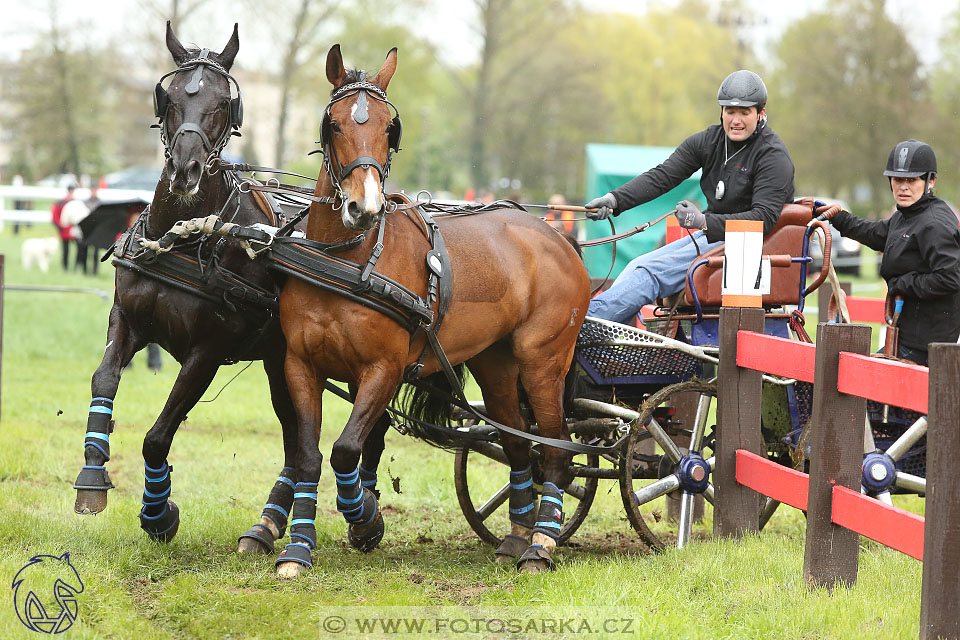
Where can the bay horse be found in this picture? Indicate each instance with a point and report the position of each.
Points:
(519, 296)
(206, 303)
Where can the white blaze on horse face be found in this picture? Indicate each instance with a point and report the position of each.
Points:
(372, 202)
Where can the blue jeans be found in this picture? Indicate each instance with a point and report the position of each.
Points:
(653, 275)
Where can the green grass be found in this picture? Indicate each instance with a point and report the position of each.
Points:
(430, 564)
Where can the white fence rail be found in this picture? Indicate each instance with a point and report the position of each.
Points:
(41, 214)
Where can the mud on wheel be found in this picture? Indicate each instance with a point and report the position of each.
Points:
(481, 475)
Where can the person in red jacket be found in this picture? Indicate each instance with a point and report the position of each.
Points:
(65, 231)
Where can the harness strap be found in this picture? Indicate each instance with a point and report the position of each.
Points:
(313, 265)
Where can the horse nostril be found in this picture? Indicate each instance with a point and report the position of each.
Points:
(193, 171)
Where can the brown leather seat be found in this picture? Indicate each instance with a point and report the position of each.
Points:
(785, 239)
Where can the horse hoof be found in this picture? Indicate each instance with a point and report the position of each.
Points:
(532, 567)
(257, 539)
(164, 528)
(90, 502)
(535, 559)
(249, 545)
(290, 570)
(366, 537)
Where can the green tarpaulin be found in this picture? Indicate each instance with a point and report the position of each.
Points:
(608, 167)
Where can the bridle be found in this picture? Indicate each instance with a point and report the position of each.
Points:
(161, 104)
(337, 171)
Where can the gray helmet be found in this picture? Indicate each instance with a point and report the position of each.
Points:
(911, 159)
(742, 89)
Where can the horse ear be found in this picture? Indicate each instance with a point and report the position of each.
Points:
(336, 74)
(382, 79)
(177, 50)
(230, 51)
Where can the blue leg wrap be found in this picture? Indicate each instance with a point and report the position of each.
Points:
(96, 447)
(522, 498)
(357, 504)
(281, 500)
(303, 531)
(550, 516)
(159, 517)
(368, 479)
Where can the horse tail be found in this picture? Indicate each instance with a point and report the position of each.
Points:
(427, 409)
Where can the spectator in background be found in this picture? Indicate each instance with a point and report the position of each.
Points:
(73, 212)
(486, 197)
(65, 230)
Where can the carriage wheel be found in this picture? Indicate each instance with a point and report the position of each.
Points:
(479, 474)
(683, 476)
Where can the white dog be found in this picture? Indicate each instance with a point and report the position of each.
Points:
(39, 252)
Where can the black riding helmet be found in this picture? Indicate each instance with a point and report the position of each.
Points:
(912, 159)
(742, 89)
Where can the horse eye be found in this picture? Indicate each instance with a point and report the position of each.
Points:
(224, 103)
(335, 126)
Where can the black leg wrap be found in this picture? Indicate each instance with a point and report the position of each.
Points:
(163, 527)
(96, 442)
(281, 500)
(522, 498)
(159, 516)
(368, 480)
(360, 509)
(303, 531)
(550, 516)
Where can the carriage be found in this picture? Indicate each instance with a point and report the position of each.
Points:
(355, 307)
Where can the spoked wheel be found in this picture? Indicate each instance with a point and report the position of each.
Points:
(682, 476)
(481, 474)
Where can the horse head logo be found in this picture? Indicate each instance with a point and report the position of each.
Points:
(45, 593)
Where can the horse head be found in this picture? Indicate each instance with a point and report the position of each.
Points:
(359, 134)
(197, 112)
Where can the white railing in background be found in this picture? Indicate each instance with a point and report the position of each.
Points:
(42, 196)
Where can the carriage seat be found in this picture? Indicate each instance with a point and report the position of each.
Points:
(786, 238)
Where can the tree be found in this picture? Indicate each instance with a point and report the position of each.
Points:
(61, 94)
(945, 125)
(849, 85)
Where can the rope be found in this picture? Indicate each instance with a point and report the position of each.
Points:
(185, 228)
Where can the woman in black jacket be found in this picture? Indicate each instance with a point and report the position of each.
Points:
(921, 251)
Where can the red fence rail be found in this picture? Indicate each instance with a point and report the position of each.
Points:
(837, 514)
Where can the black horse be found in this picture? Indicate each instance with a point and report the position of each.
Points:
(206, 302)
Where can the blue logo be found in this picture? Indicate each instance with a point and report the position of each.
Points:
(45, 593)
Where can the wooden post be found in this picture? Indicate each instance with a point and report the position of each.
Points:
(941, 553)
(836, 457)
(736, 507)
(823, 298)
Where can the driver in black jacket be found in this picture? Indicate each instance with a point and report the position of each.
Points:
(747, 175)
(921, 251)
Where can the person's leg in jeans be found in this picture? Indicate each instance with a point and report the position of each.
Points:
(653, 275)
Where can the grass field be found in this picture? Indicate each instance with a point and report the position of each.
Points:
(430, 567)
